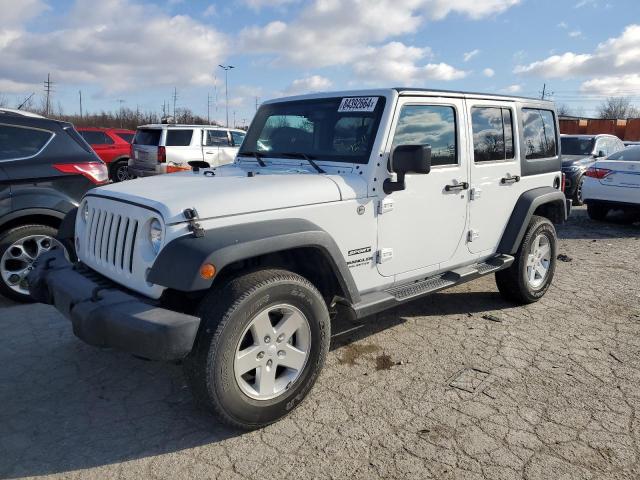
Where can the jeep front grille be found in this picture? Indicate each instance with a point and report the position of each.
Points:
(110, 239)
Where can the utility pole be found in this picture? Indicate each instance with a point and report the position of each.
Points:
(226, 69)
(544, 92)
(48, 89)
(175, 98)
(120, 101)
(234, 119)
(80, 93)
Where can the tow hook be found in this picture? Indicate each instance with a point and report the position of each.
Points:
(194, 227)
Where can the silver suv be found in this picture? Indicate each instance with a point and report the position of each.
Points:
(158, 149)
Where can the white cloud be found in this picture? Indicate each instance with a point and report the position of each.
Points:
(210, 11)
(516, 88)
(623, 85)
(563, 25)
(337, 32)
(619, 55)
(95, 46)
(488, 72)
(17, 12)
(469, 55)
(314, 83)
(575, 33)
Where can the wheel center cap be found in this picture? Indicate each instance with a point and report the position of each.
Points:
(272, 351)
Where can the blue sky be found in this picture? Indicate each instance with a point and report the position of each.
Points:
(137, 51)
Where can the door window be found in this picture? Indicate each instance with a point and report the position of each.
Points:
(539, 131)
(96, 138)
(492, 134)
(18, 142)
(237, 138)
(433, 125)
(217, 138)
(179, 138)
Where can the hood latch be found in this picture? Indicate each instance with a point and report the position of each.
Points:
(192, 215)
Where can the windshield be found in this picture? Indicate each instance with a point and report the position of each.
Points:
(576, 145)
(631, 154)
(334, 129)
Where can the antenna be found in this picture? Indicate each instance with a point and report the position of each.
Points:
(26, 100)
(544, 93)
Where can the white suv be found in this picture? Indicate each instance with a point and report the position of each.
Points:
(167, 148)
(338, 203)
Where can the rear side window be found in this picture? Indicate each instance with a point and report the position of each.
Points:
(631, 154)
(147, 136)
(539, 131)
(19, 142)
(127, 137)
(237, 138)
(433, 125)
(179, 138)
(492, 134)
(96, 138)
(217, 138)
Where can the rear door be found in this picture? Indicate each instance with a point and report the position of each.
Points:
(145, 148)
(5, 194)
(495, 171)
(182, 146)
(102, 144)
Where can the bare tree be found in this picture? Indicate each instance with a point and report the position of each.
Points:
(564, 110)
(617, 107)
(3, 101)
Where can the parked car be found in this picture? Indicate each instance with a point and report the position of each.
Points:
(168, 148)
(113, 146)
(614, 184)
(630, 143)
(351, 203)
(579, 152)
(45, 169)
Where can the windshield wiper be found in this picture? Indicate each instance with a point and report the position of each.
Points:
(305, 157)
(257, 155)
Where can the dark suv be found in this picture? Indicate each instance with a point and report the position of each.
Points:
(579, 152)
(45, 169)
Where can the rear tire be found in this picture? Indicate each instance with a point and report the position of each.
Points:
(120, 171)
(596, 211)
(247, 367)
(578, 199)
(529, 277)
(19, 248)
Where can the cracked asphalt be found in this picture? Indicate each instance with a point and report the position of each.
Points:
(458, 385)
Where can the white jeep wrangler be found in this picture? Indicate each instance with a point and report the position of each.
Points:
(352, 202)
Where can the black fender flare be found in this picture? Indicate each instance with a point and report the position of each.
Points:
(27, 212)
(178, 263)
(524, 209)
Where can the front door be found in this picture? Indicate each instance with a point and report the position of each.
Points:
(217, 148)
(495, 172)
(423, 225)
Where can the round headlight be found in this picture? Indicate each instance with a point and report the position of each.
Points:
(155, 235)
(85, 212)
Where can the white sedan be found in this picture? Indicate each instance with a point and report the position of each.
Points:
(613, 184)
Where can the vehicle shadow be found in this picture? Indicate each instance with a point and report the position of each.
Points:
(68, 406)
(617, 225)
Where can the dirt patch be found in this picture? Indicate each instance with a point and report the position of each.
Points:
(384, 362)
(352, 353)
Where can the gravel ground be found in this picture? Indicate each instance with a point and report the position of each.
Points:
(458, 385)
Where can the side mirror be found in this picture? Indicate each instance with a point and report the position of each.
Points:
(407, 159)
(600, 154)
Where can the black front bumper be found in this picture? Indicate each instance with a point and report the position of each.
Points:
(104, 315)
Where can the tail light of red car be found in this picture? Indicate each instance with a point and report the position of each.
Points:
(563, 182)
(96, 172)
(599, 173)
(162, 155)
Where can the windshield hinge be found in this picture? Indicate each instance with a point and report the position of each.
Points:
(195, 228)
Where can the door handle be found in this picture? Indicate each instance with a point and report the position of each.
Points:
(507, 180)
(457, 187)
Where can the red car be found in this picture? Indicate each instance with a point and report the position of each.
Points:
(113, 146)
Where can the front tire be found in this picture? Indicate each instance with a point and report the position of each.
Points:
(529, 277)
(120, 171)
(19, 249)
(263, 341)
(578, 199)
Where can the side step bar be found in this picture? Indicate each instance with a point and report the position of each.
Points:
(376, 302)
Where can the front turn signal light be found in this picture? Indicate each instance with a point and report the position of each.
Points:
(207, 271)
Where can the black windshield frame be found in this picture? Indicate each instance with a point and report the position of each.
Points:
(317, 106)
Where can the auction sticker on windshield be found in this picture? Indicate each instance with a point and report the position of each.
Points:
(358, 104)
